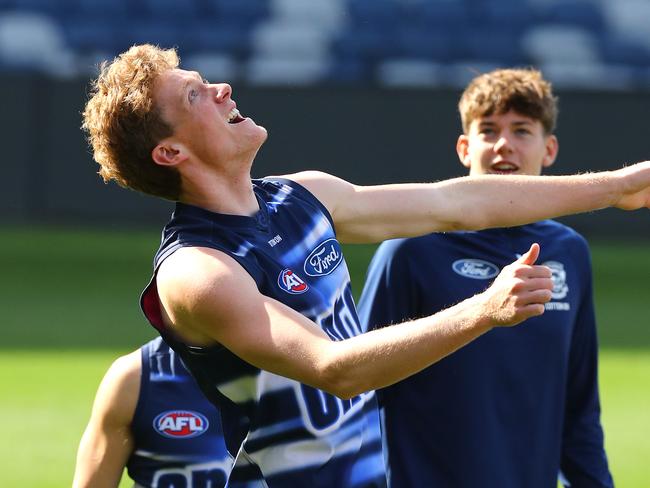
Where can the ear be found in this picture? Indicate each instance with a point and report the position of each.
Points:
(167, 153)
(552, 148)
(462, 149)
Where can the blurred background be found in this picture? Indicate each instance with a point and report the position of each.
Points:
(365, 89)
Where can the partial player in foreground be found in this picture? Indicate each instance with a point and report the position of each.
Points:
(250, 286)
(150, 417)
(516, 407)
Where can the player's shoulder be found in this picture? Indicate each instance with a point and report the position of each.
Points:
(119, 389)
(409, 245)
(198, 281)
(193, 265)
(404, 250)
(125, 369)
(559, 231)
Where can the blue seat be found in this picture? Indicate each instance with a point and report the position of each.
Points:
(92, 35)
(348, 70)
(49, 7)
(426, 44)
(616, 50)
(106, 10)
(219, 37)
(489, 45)
(512, 15)
(245, 12)
(377, 14)
(578, 13)
(154, 31)
(435, 15)
(366, 43)
(171, 9)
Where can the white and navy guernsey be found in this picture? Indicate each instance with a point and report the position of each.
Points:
(515, 406)
(177, 436)
(281, 432)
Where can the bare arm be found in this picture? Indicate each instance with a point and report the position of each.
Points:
(208, 297)
(107, 441)
(376, 213)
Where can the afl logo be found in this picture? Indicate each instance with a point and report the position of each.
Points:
(291, 282)
(476, 269)
(180, 424)
(324, 259)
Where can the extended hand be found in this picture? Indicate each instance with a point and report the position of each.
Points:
(520, 291)
(635, 191)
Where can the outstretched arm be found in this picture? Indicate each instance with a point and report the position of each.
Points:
(107, 441)
(376, 213)
(207, 297)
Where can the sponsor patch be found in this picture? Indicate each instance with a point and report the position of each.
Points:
(324, 259)
(477, 269)
(291, 282)
(180, 424)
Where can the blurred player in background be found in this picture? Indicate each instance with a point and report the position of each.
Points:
(150, 417)
(250, 286)
(516, 407)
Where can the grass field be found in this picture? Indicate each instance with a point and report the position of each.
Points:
(69, 306)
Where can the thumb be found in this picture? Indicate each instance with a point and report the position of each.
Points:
(531, 256)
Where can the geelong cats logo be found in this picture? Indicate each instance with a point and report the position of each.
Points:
(291, 282)
(558, 275)
(324, 259)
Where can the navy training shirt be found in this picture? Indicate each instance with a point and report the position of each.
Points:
(515, 406)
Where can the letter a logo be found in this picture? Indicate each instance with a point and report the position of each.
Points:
(291, 282)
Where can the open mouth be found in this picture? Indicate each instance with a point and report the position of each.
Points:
(503, 168)
(234, 117)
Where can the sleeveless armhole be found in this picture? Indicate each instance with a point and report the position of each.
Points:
(144, 382)
(305, 194)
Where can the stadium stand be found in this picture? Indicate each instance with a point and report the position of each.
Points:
(383, 42)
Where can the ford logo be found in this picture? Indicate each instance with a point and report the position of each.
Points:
(476, 269)
(324, 259)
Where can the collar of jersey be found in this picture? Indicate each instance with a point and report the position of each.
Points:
(259, 219)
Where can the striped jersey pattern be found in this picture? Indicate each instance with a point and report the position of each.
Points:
(281, 432)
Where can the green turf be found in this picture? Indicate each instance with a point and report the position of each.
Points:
(74, 288)
(67, 291)
(46, 398)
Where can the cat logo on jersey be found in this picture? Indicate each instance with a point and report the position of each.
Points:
(558, 275)
(179, 424)
(291, 282)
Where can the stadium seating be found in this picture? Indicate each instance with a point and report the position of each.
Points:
(391, 42)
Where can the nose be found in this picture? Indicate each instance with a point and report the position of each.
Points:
(502, 144)
(223, 91)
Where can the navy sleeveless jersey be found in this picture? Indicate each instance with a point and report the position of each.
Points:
(515, 406)
(281, 432)
(178, 442)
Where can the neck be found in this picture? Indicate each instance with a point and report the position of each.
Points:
(220, 192)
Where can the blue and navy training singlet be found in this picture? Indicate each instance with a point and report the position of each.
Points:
(177, 437)
(282, 433)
